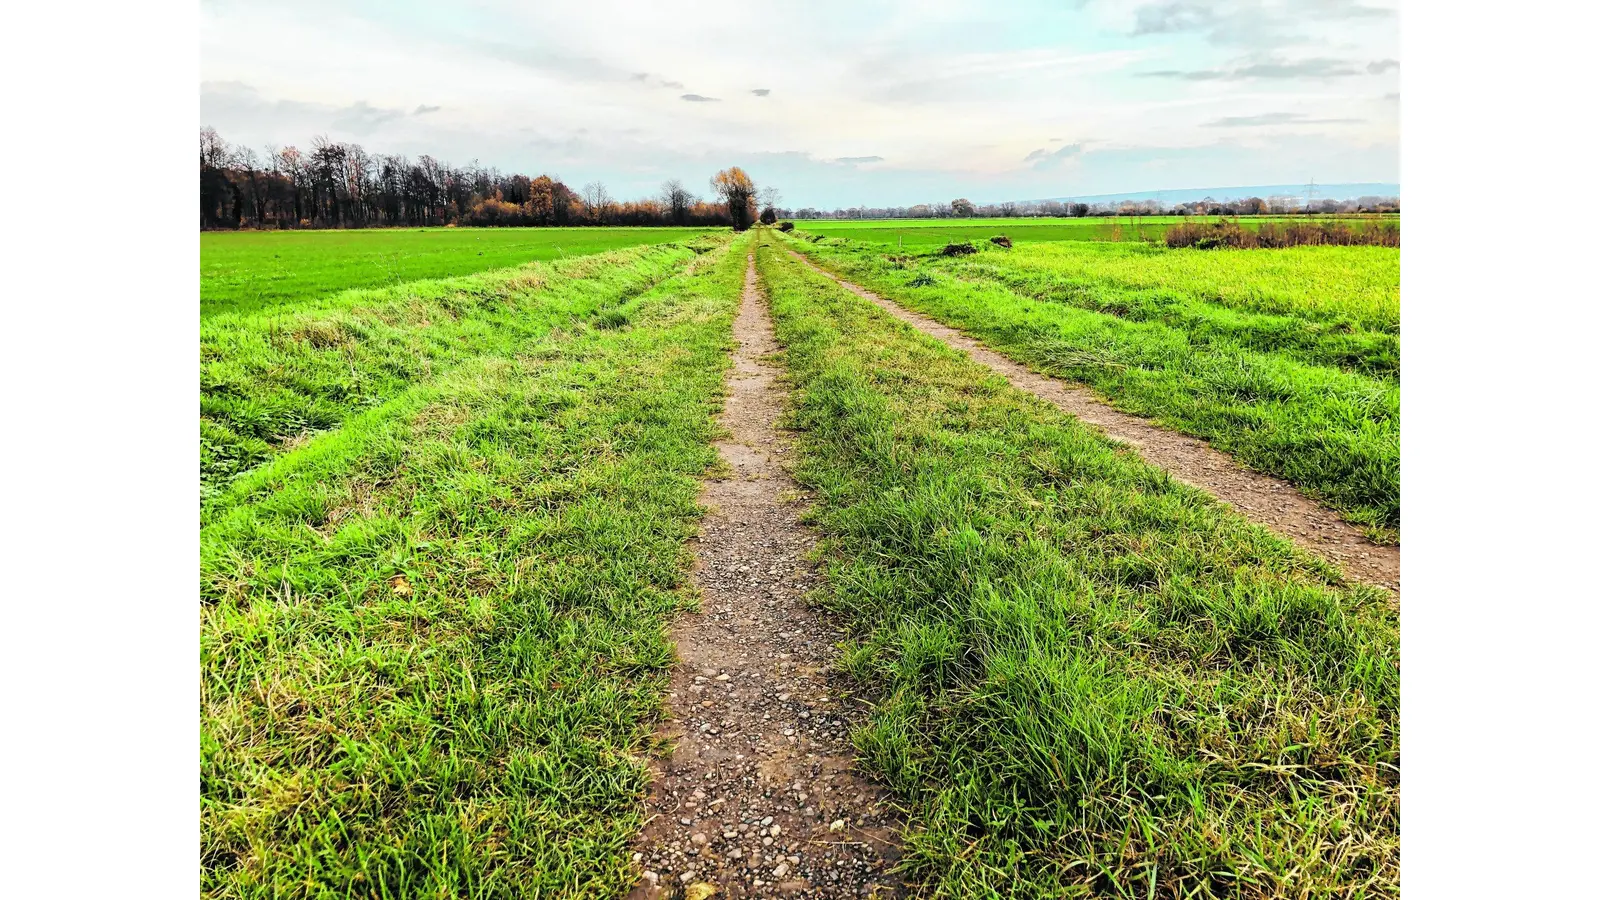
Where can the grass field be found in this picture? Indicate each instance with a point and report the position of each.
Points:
(248, 270)
(445, 526)
(1089, 679)
(919, 234)
(432, 640)
(1288, 359)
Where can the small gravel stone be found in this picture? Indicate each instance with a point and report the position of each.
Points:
(758, 640)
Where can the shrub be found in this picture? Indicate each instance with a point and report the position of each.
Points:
(964, 248)
(785, 226)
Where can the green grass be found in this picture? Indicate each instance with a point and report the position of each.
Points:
(433, 641)
(1287, 359)
(1091, 680)
(249, 270)
(271, 378)
(1343, 289)
(920, 234)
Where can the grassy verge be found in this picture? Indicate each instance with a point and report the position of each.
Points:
(1091, 680)
(270, 379)
(1243, 380)
(432, 645)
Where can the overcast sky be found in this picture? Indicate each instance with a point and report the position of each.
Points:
(837, 104)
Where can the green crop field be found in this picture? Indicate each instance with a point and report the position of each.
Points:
(1288, 359)
(448, 518)
(246, 270)
(920, 234)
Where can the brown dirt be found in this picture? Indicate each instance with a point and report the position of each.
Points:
(1262, 498)
(760, 796)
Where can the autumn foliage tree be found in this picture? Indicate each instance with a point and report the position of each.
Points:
(739, 193)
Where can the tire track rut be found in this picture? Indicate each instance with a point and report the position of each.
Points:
(1262, 498)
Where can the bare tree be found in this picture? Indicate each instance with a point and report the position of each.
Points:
(770, 197)
(596, 202)
(677, 200)
(343, 185)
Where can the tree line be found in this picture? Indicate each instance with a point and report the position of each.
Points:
(342, 185)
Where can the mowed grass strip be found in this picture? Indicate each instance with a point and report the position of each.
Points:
(430, 660)
(244, 271)
(270, 379)
(1183, 362)
(1089, 679)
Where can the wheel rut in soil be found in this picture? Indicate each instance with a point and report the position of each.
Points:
(1262, 498)
(760, 796)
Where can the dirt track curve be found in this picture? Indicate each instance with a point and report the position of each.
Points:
(1263, 498)
(759, 796)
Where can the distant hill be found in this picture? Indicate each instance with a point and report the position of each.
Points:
(1347, 191)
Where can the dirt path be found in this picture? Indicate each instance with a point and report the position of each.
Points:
(759, 797)
(1263, 498)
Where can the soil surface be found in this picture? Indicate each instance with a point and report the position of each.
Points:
(1264, 499)
(760, 796)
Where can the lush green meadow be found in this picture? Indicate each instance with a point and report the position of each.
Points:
(1288, 359)
(432, 637)
(248, 270)
(920, 234)
(1088, 678)
(445, 527)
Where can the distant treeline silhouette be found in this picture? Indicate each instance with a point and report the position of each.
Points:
(962, 208)
(342, 185)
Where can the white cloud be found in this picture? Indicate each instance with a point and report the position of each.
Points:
(950, 97)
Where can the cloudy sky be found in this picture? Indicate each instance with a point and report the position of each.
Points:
(836, 103)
